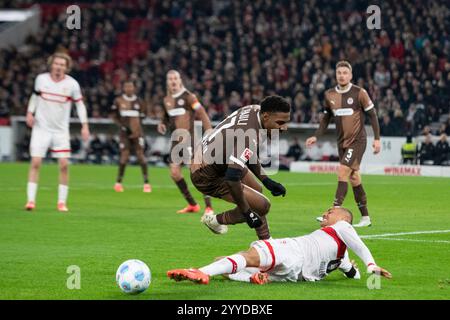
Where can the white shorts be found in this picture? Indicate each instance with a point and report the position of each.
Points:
(43, 140)
(282, 259)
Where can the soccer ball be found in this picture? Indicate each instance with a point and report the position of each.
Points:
(133, 276)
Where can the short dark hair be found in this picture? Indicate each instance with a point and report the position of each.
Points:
(275, 104)
(349, 213)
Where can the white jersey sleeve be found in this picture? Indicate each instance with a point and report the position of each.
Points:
(346, 266)
(348, 235)
(33, 102)
(77, 98)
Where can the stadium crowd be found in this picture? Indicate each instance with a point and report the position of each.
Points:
(233, 53)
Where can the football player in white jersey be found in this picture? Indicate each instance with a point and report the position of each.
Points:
(48, 115)
(307, 258)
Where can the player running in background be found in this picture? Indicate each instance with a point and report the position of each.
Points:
(306, 258)
(48, 115)
(222, 162)
(181, 107)
(128, 111)
(349, 104)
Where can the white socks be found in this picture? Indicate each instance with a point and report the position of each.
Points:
(230, 264)
(63, 191)
(31, 191)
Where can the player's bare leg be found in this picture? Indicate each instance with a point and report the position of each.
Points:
(63, 188)
(177, 177)
(143, 163)
(224, 266)
(344, 173)
(360, 199)
(208, 205)
(123, 161)
(257, 202)
(33, 179)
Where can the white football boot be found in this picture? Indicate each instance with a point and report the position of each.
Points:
(364, 222)
(211, 222)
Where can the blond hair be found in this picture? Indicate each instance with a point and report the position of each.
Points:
(61, 55)
(344, 63)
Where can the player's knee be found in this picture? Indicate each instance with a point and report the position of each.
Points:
(35, 165)
(265, 207)
(64, 166)
(175, 174)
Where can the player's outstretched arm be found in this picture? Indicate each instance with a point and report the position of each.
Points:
(323, 125)
(348, 234)
(372, 114)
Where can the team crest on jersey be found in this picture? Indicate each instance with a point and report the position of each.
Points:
(246, 155)
(350, 100)
(181, 102)
(136, 106)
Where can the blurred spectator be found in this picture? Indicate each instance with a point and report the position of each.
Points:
(75, 144)
(236, 52)
(427, 151)
(409, 151)
(442, 151)
(295, 151)
(111, 147)
(386, 128)
(95, 150)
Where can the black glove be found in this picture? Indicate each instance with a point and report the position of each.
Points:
(275, 188)
(253, 219)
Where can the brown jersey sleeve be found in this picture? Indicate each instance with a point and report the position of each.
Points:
(325, 119)
(193, 102)
(115, 112)
(364, 100)
(142, 109)
(368, 106)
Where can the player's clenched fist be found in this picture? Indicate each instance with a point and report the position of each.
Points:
(310, 141)
(277, 189)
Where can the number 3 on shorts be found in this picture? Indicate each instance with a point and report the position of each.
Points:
(349, 154)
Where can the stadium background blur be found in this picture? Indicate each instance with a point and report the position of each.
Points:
(233, 53)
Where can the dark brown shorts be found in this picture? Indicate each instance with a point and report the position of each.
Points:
(210, 183)
(125, 143)
(352, 155)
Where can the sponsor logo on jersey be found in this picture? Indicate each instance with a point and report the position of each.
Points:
(129, 113)
(246, 155)
(343, 112)
(176, 112)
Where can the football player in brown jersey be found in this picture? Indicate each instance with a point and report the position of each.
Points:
(349, 104)
(181, 108)
(128, 111)
(226, 165)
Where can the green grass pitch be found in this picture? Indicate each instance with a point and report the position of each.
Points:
(104, 228)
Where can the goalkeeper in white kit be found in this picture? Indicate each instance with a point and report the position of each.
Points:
(48, 115)
(306, 258)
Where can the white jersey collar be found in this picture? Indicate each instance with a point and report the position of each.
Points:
(129, 99)
(179, 93)
(345, 90)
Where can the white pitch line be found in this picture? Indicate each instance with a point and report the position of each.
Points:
(412, 240)
(370, 236)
